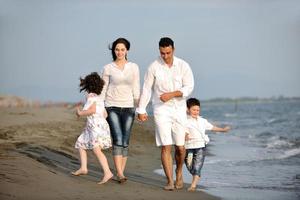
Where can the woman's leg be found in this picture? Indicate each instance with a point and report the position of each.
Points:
(83, 163)
(127, 118)
(114, 121)
(104, 164)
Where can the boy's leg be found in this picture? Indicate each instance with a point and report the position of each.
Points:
(83, 163)
(193, 186)
(198, 161)
(103, 162)
(167, 163)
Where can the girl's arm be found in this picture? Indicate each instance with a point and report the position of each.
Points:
(219, 129)
(91, 110)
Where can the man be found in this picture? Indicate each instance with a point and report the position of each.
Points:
(171, 80)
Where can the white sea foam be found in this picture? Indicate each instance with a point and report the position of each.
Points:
(290, 153)
(230, 114)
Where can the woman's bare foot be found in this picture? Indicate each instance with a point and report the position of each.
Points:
(106, 178)
(80, 172)
(122, 179)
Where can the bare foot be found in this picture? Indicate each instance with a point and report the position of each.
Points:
(122, 179)
(79, 172)
(105, 178)
(191, 189)
(169, 187)
(179, 181)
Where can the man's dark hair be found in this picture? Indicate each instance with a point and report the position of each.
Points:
(192, 102)
(165, 42)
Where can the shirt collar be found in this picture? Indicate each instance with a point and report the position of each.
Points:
(175, 61)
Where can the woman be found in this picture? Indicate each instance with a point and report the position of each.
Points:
(121, 93)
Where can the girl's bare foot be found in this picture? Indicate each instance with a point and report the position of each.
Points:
(105, 178)
(80, 172)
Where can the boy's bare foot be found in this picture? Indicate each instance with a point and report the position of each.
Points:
(191, 189)
(79, 172)
(105, 179)
(169, 187)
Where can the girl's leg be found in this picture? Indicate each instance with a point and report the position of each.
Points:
(104, 164)
(83, 163)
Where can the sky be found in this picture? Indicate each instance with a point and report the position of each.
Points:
(236, 48)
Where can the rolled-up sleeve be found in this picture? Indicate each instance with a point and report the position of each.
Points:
(136, 83)
(105, 77)
(187, 81)
(147, 91)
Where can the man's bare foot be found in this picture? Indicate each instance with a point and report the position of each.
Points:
(179, 181)
(105, 178)
(79, 172)
(169, 187)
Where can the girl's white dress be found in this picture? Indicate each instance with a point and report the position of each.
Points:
(96, 133)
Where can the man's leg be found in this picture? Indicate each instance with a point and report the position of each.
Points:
(179, 157)
(167, 162)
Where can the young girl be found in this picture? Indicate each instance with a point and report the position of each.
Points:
(96, 134)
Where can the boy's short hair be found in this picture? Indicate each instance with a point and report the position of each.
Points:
(192, 102)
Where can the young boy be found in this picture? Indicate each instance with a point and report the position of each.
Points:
(196, 139)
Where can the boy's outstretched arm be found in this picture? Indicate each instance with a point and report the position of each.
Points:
(219, 129)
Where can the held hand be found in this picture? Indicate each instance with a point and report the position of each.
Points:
(187, 137)
(142, 117)
(166, 96)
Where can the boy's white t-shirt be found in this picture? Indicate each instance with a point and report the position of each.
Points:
(196, 129)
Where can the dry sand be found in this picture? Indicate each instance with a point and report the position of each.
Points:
(37, 155)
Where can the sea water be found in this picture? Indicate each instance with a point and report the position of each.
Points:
(259, 158)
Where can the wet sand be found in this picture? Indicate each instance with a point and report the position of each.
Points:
(37, 155)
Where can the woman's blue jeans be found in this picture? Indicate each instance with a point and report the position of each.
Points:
(120, 122)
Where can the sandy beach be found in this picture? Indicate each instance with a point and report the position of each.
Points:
(37, 155)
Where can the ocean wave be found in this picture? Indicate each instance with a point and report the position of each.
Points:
(230, 114)
(280, 142)
(264, 135)
(290, 153)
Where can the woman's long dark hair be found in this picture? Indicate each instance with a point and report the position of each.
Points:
(117, 41)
